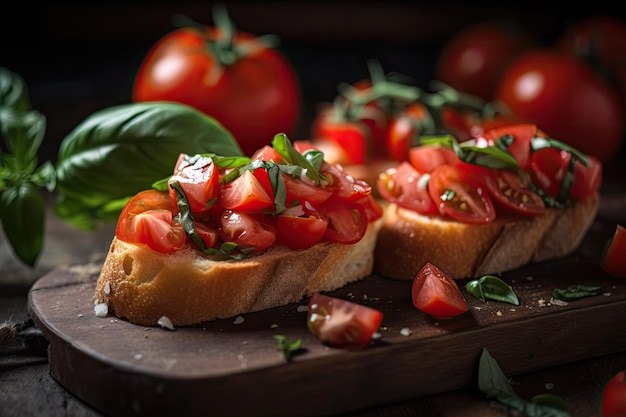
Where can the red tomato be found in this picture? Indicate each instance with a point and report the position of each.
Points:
(248, 230)
(341, 323)
(474, 59)
(613, 402)
(207, 233)
(255, 95)
(426, 158)
(599, 41)
(522, 135)
(566, 99)
(352, 136)
(345, 186)
(403, 131)
(347, 221)
(299, 232)
(267, 153)
(549, 166)
(436, 294)
(507, 189)
(301, 191)
(613, 260)
(459, 195)
(245, 193)
(198, 177)
(406, 187)
(147, 219)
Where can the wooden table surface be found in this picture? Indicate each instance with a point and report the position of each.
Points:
(27, 388)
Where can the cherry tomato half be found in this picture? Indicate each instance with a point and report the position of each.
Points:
(245, 193)
(147, 219)
(436, 294)
(407, 188)
(341, 323)
(300, 232)
(458, 194)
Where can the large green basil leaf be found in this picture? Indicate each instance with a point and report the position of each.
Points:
(121, 150)
(22, 209)
(13, 91)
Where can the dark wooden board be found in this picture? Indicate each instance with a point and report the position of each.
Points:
(236, 369)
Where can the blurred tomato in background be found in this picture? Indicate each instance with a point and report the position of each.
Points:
(473, 59)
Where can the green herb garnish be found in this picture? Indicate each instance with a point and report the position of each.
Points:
(490, 287)
(288, 348)
(575, 292)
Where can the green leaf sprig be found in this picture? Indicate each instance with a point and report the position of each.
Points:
(22, 204)
(490, 287)
(494, 384)
(288, 348)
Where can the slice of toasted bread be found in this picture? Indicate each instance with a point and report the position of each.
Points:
(187, 287)
(407, 240)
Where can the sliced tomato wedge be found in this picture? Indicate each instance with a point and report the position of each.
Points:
(613, 260)
(247, 230)
(347, 221)
(459, 194)
(344, 185)
(209, 234)
(300, 232)
(245, 194)
(508, 190)
(147, 219)
(587, 178)
(522, 134)
(267, 153)
(373, 209)
(198, 177)
(426, 158)
(407, 188)
(436, 294)
(341, 323)
(301, 191)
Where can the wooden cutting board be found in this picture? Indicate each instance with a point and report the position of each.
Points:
(233, 367)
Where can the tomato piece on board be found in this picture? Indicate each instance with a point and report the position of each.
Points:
(426, 158)
(198, 177)
(407, 188)
(507, 189)
(147, 219)
(613, 401)
(458, 194)
(300, 232)
(341, 323)
(246, 194)
(613, 260)
(247, 230)
(347, 221)
(436, 294)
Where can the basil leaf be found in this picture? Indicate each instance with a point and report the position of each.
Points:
(22, 209)
(121, 150)
(13, 92)
(491, 157)
(284, 147)
(494, 384)
(288, 348)
(23, 133)
(492, 288)
(575, 292)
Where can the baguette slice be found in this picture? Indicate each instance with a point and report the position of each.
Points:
(142, 285)
(407, 240)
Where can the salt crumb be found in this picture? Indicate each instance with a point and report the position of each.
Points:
(166, 323)
(81, 315)
(541, 302)
(101, 310)
(498, 313)
(302, 309)
(557, 302)
(107, 288)
(377, 335)
(238, 320)
(405, 331)
(606, 294)
(138, 357)
(274, 326)
(549, 385)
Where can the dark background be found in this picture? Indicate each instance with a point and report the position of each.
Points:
(79, 57)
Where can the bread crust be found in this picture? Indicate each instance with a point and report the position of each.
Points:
(141, 285)
(407, 240)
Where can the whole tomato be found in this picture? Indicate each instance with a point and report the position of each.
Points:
(566, 99)
(473, 60)
(238, 79)
(613, 403)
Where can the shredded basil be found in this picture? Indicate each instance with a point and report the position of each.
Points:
(288, 348)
